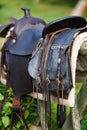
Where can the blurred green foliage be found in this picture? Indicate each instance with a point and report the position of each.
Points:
(40, 9)
(67, 2)
(84, 122)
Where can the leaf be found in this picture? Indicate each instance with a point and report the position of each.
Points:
(26, 114)
(19, 124)
(10, 91)
(6, 121)
(1, 97)
(8, 104)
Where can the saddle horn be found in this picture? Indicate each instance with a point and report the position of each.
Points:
(26, 11)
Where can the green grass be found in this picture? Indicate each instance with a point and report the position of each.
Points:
(46, 11)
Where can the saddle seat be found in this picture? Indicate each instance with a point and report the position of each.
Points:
(26, 42)
(66, 22)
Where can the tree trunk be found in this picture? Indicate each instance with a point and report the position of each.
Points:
(80, 8)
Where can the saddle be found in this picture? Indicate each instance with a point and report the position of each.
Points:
(50, 65)
(21, 40)
(57, 39)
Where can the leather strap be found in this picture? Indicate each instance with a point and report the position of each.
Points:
(18, 112)
(47, 49)
(45, 82)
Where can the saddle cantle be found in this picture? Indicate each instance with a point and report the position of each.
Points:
(4, 29)
(67, 22)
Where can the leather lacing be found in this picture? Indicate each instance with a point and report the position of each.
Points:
(43, 79)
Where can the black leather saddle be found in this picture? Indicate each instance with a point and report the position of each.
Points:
(21, 40)
(66, 22)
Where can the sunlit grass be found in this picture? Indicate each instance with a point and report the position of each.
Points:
(1, 42)
(78, 86)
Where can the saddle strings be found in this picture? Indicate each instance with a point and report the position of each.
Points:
(42, 76)
(40, 43)
(47, 49)
(43, 67)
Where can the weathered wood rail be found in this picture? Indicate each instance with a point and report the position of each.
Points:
(80, 106)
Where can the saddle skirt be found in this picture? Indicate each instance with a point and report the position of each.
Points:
(61, 41)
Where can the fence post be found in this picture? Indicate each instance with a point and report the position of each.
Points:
(80, 8)
(81, 102)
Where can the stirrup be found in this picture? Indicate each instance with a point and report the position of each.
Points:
(17, 111)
